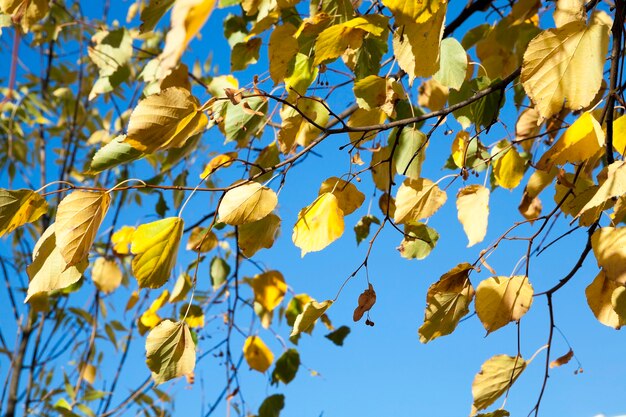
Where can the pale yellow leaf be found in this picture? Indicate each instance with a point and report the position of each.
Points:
(106, 275)
(258, 235)
(509, 169)
(527, 128)
(282, 48)
(433, 95)
(79, 216)
(49, 271)
(170, 351)
(165, 120)
(18, 207)
(319, 224)
(418, 199)
(269, 289)
(599, 298)
(258, 356)
(155, 246)
(472, 203)
(201, 240)
(496, 376)
(613, 186)
(609, 248)
(380, 168)
(447, 301)
(501, 300)
(348, 196)
(581, 141)
(569, 11)
(246, 203)
(310, 313)
(564, 66)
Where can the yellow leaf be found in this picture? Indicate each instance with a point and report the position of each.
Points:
(618, 302)
(282, 48)
(26, 12)
(155, 246)
(295, 129)
(569, 11)
(170, 351)
(509, 169)
(132, 300)
(195, 315)
(619, 135)
(122, 239)
(581, 141)
(49, 271)
(530, 206)
(459, 148)
(309, 315)
(501, 300)
(418, 199)
(79, 216)
(417, 45)
(496, 376)
(433, 95)
(88, 373)
(220, 161)
(447, 301)
(150, 319)
(380, 168)
(564, 66)
(348, 196)
(527, 128)
(319, 224)
(106, 275)
(258, 356)
(18, 207)
(165, 120)
(408, 12)
(181, 288)
(363, 117)
(258, 235)
(613, 186)
(599, 298)
(472, 203)
(246, 203)
(609, 248)
(201, 240)
(269, 289)
(581, 192)
(188, 17)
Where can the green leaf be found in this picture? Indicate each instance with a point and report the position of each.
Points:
(219, 271)
(152, 13)
(272, 406)
(482, 112)
(421, 240)
(240, 124)
(410, 152)
(18, 207)
(244, 54)
(311, 312)
(452, 64)
(362, 228)
(112, 154)
(339, 335)
(286, 367)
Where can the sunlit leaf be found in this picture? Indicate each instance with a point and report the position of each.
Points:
(282, 48)
(269, 289)
(106, 275)
(349, 198)
(472, 203)
(600, 300)
(18, 207)
(509, 169)
(452, 64)
(258, 235)
(310, 313)
(496, 376)
(501, 300)
(319, 224)
(419, 240)
(258, 356)
(418, 199)
(246, 203)
(170, 351)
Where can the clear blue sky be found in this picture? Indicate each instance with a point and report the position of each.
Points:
(385, 370)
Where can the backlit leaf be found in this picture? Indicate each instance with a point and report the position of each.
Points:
(349, 198)
(562, 360)
(319, 224)
(269, 289)
(509, 169)
(599, 298)
(282, 48)
(219, 271)
(18, 207)
(220, 161)
(79, 216)
(452, 64)
(286, 367)
(201, 240)
(609, 248)
(155, 246)
(152, 13)
(258, 356)
(501, 300)
(258, 235)
(114, 153)
(170, 351)
(613, 186)
(106, 275)
(310, 313)
(410, 152)
(472, 203)
(409, 12)
(419, 240)
(496, 376)
(246, 203)
(418, 199)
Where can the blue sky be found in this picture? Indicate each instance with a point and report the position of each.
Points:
(385, 370)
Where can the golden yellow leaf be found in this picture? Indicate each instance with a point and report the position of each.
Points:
(295, 129)
(409, 12)
(599, 298)
(609, 248)
(220, 161)
(195, 315)
(363, 117)
(181, 288)
(417, 45)
(188, 17)
(619, 135)
(155, 246)
(459, 148)
(310, 313)
(246, 203)
(201, 240)
(496, 376)
(348, 196)
(258, 356)
(433, 95)
(150, 319)
(613, 186)
(49, 271)
(501, 300)
(319, 224)
(380, 168)
(569, 11)
(282, 48)
(418, 199)
(132, 300)
(18, 207)
(88, 373)
(269, 289)
(472, 203)
(165, 120)
(170, 351)
(258, 235)
(447, 301)
(122, 239)
(581, 192)
(564, 66)
(509, 169)
(106, 275)
(581, 141)
(79, 216)
(562, 360)
(27, 12)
